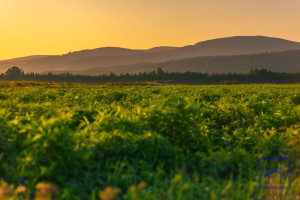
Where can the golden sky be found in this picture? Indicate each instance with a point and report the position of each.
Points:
(30, 27)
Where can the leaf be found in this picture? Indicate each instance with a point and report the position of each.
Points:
(36, 137)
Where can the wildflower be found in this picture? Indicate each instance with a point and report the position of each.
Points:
(132, 188)
(21, 189)
(28, 159)
(109, 193)
(5, 191)
(45, 191)
(142, 185)
(283, 117)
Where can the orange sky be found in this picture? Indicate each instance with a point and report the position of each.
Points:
(29, 27)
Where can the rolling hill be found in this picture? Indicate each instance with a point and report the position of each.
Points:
(287, 61)
(109, 58)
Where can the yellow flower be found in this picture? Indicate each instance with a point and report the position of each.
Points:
(45, 191)
(21, 189)
(283, 117)
(132, 188)
(142, 185)
(5, 191)
(28, 159)
(109, 193)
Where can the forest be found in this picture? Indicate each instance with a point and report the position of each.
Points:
(158, 76)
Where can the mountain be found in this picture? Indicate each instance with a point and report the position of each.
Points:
(286, 61)
(68, 62)
(102, 58)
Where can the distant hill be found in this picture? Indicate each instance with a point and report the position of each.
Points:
(73, 60)
(25, 58)
(102, 58)
(287, 61)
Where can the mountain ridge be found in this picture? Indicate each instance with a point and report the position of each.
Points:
(285, 61)
(115, 56)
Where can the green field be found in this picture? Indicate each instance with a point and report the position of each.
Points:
(143, 142)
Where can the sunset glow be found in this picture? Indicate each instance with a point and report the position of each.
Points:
(46, 27)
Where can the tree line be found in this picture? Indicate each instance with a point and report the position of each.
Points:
(160, 76)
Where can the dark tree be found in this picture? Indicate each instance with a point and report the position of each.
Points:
(159, 71)
(14, 73)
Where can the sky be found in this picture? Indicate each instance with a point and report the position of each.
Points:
(51, 27)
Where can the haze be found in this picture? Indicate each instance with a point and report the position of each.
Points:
(35, 27)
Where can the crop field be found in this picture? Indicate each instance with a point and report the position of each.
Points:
(78, 141)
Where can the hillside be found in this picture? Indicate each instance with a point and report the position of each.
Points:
(287, 61)
(114, 56)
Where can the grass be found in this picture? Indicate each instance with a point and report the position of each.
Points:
(77, 141)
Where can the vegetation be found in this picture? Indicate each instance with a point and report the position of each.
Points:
(159, 76)
(79, 141)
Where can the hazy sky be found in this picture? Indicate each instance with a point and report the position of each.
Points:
(29, 27)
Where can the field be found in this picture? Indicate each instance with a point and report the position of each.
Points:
(76, 141)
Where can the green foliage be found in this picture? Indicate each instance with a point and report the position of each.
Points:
(3, 96)
(185, 142)
(296, 99)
